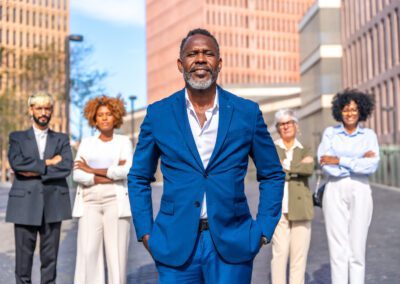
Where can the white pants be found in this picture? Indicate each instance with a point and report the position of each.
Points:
(99, 228)
(290, 238)
(347, 207)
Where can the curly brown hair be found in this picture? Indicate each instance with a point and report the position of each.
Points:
(115, 105)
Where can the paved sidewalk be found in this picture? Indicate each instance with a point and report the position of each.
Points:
(383, 254)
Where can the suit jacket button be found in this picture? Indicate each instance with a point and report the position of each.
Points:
(197, 204)
(205, 175)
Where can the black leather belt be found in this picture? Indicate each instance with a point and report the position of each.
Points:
(203, 225)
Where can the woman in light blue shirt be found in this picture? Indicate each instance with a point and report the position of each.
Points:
(348, 154)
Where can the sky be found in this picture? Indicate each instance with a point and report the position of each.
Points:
(116, 31)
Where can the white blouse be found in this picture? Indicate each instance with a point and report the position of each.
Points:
(100, 155)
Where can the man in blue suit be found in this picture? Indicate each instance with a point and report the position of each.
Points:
(203, 136)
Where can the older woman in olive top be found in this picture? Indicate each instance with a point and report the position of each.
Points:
(293, 233)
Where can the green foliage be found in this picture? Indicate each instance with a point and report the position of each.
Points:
(86, 82)
(44, 70)
(10, 116)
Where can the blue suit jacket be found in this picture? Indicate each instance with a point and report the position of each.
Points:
(166, 135)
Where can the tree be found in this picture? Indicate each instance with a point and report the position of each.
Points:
(21, 74)
(86, 82)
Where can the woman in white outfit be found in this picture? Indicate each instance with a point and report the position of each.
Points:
(291, 239)
(102, 203)
(348, 154)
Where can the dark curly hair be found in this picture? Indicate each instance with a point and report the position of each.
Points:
(198, 31)
(115, 105)
(365, 103)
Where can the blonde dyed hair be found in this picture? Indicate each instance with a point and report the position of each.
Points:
(40, 98)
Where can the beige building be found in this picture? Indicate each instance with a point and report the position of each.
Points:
(258, 40)
(32, 43)
(320, 68)
(371, 59)
(32, 57)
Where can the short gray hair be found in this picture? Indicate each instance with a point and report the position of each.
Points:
(40, 98)
(285, 112)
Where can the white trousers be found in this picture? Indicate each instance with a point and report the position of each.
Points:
(101, 231)
(290, 238)
(347, 207)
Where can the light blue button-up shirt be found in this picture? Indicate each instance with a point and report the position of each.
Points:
(350, 149)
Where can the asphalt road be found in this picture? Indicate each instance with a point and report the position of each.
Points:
(383, 251)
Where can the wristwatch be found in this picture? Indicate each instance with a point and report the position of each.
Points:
(264, 240)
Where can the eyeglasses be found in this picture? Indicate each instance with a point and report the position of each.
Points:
(43, 109)
(350, 111)
(287, 123)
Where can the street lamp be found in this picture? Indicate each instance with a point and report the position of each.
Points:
(68, 38)
(132, 99)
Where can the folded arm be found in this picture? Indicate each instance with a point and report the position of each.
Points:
(367, 165)
(120, 171)
(80, 175)
(305, 167)
(61, 168)
(22, 164)
(344, 166)
(325, 149)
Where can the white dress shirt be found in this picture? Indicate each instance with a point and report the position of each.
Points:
(204, 137)
(286, 165)
(41, 138)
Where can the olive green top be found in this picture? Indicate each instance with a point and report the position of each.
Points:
(300, 197)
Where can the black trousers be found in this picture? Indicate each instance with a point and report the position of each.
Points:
(25, 243)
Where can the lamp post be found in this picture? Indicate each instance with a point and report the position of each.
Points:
(132, 99)
(68, 38)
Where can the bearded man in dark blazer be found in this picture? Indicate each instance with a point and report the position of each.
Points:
(39, 196)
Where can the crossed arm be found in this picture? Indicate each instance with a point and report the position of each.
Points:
(86, 175)
(100, 175)
(59, 166)
(48, 162)
(342, 166)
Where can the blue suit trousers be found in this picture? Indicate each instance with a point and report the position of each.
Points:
(205, 265)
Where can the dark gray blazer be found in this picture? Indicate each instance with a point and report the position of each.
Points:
(47, 195)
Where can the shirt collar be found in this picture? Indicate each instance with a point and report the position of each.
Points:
(296, 143)
(39, 132)
(189, 104)
(339, 129)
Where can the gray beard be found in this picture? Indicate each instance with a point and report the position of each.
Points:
(200, 84)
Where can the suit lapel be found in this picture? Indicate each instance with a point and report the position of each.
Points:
(182, 120)
(281, 153)
(50, 145)
(225, 117)
(31, 136)
(297, 155)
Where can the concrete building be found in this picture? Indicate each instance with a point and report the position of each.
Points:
(258, 39)
(32, 55)
(371, 59)
(320, 68)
